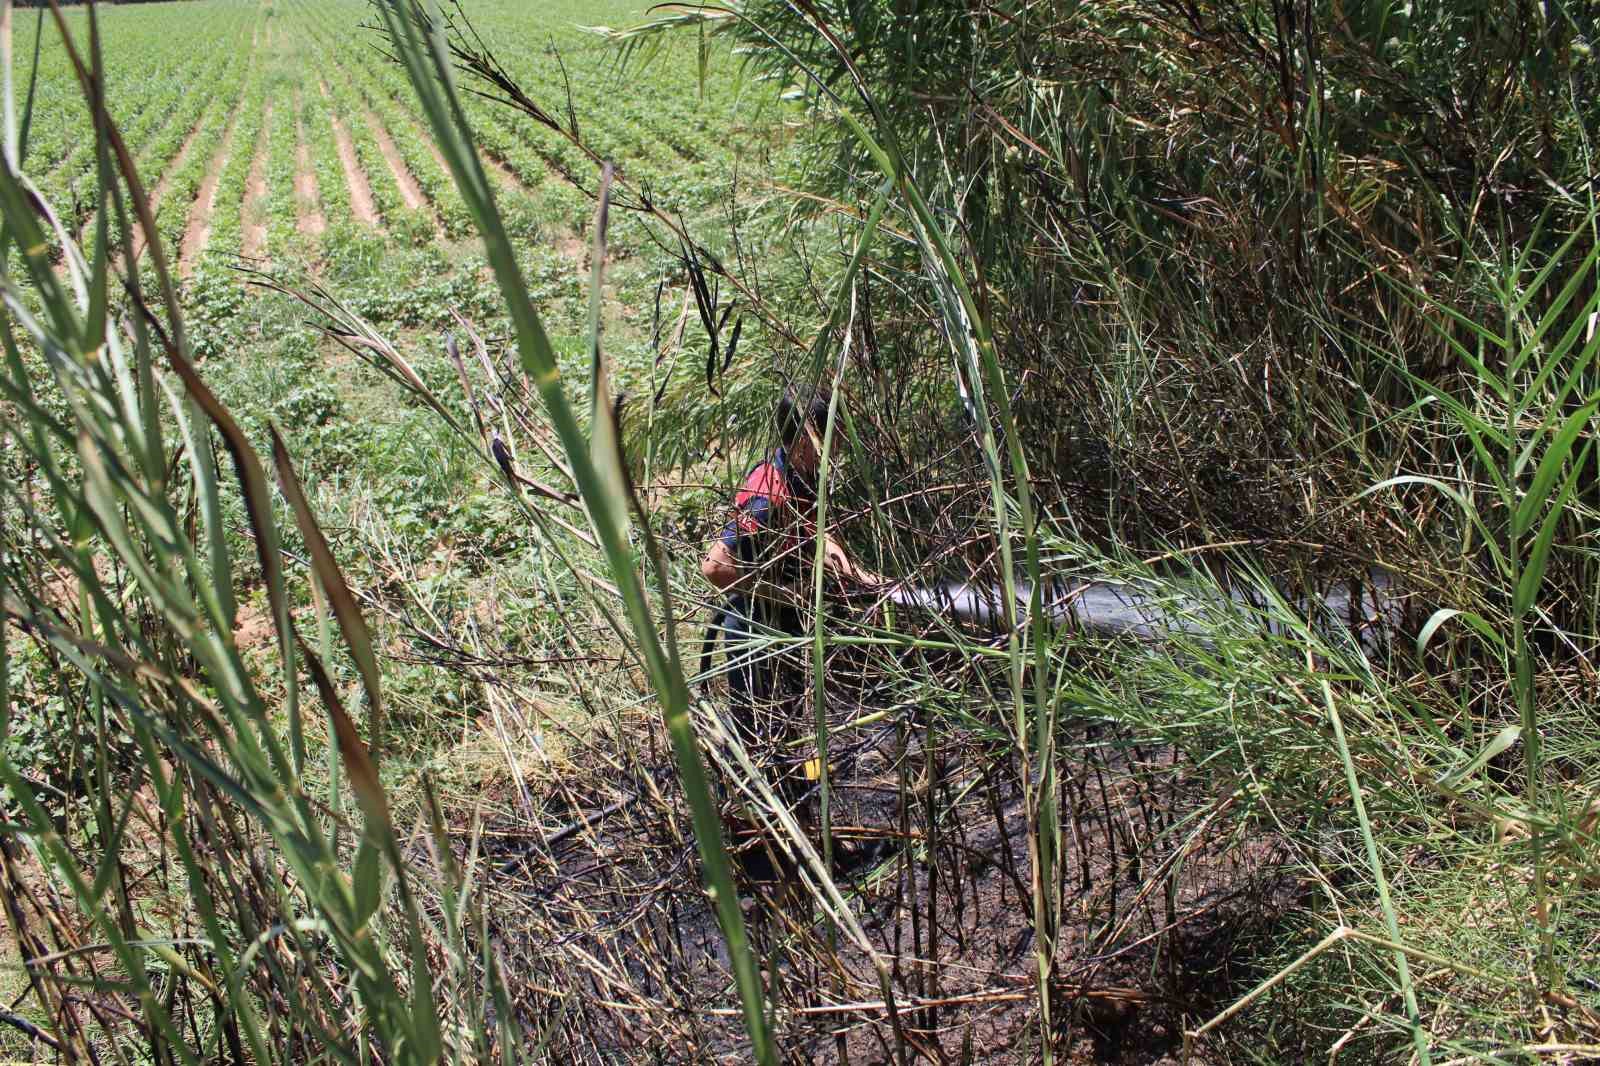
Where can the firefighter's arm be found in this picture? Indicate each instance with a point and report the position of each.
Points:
(721, 568)
(772, 576)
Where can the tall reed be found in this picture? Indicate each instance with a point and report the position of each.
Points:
(417, 35)
(1527, 420)
(141, 625)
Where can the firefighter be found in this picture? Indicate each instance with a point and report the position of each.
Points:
(761, 561)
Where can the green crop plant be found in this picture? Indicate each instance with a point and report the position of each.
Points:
(152, 64)
(384, 92)
(228, 219)
(215, 154)
(283, 164)
(171, 120)
(94, 416)
(332, 187)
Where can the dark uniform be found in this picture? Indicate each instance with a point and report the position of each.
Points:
(772, 531)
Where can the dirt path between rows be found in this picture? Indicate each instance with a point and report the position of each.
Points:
(410, 191)
(572, 248)
(141, 239)
(253, 241)
(308, 201)
(433, 150)
(198, 229)
(361, 203)
(508, 177)
(503, 173)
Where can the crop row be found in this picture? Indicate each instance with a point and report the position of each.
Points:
(331, 59)
(59, 134)
(181, 105)
(377, 100)
(172, 162)
(171, 99)
(638, 118)
(385, 94)
(162, 163)
(372, 99)
(180, 183)
(282, 215)
(410, 225)
(228, 213)
(333, 189)
(651, 119)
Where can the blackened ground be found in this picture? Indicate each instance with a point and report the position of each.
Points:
(611, 947)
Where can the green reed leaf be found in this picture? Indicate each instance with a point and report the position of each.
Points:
(1550, 466)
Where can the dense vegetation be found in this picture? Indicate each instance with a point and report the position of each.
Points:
(350, 695)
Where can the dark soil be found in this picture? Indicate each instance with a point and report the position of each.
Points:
(609, 921)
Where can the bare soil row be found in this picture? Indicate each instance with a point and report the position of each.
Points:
(198, 229)
(310, 218)
(254, 239)
(308, 203)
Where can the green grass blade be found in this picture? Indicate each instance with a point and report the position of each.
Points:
(1526, 251)
(1573, 369)
(1554, 312)
(345, 609)
(1502, 741)
(1437, 620)
(1469, 512)
(1555, 457)
(1533, 568)
(416, 35)
(202, 464)
(12, 153)
(1375, 861)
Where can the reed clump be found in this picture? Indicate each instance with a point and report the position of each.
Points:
(1289, 288)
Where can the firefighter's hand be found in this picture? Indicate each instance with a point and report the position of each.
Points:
(870, 579)
(838, 563)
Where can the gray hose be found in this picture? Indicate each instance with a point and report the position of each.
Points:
(1369, 607)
